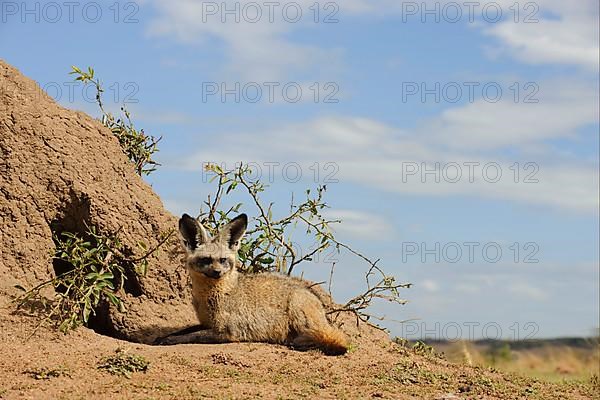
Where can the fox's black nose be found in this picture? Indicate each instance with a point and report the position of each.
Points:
(214, 274)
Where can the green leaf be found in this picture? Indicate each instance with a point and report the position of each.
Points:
(86, 312)
(106, 275)
(113, 299)
(231, 187)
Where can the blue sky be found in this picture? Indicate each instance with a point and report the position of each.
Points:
(377, 137)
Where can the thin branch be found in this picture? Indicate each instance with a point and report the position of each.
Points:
(273, 241)
(331, 278)
(154, 249)
(267, 220)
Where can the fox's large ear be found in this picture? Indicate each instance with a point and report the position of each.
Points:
(232, 233)
(192, 232)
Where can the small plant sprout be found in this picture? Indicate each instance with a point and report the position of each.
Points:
(124, 364)
(48, 373)
(139, 147)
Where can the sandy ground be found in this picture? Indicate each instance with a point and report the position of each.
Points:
(374, 368)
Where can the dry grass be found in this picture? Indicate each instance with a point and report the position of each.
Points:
(549, 360)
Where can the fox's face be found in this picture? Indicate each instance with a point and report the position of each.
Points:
(214, 257)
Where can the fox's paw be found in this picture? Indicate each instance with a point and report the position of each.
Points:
(166, 341)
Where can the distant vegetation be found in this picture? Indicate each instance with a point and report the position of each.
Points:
(548, 359)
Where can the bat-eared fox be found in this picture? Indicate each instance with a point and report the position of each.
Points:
(236, 307)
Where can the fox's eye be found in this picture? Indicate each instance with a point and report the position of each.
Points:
(223, 260)
(203, 261)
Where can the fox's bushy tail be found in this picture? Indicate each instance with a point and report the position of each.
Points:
(328, 339)
(332, 341)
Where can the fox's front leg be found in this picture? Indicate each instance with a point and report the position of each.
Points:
(206, 336)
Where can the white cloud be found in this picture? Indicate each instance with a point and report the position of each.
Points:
(564, 33)
(361, 224)
(258, 51)
(528, 291)
(263, 50)
(375, 154)
(380, 156)
(467, 288)
(430, 286)
(562, 108)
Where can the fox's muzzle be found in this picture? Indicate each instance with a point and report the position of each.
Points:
(214, 274)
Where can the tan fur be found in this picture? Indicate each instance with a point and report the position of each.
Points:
(264, 307)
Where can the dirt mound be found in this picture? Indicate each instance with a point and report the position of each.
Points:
(61, 170)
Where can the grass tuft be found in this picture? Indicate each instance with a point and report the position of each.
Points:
(124, 364)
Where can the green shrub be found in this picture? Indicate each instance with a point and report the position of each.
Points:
(95, 267)
(137, 146)
(269, 245)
